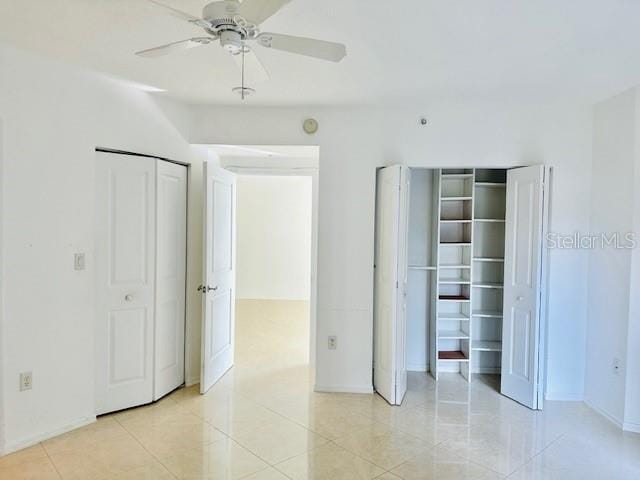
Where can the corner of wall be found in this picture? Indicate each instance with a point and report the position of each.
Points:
(2, 401)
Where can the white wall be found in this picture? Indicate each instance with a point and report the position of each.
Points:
(274, 237)
(54, 116)
(354, 141)
(614, 274)
(609, 269)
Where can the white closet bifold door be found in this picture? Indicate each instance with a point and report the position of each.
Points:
(125, 277)
(171, 248)
(390, 371)
(521, 328)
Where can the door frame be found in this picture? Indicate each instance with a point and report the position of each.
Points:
(314, 173)
(545, 259)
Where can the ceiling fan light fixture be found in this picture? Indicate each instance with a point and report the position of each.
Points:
(243, 91)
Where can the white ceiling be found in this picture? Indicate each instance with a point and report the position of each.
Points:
(399, 52)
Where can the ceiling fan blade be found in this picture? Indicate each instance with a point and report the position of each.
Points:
(334, 52)
(253, 67)
(257, 11)
(182, 15)
(174, 47)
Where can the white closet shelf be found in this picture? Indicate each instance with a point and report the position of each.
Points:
(452, 356)
(454, 266)
(491, 184)
(486, 346)
(488, 259)
(487, 313)
(490, 220)
(456, 316)
(488, 285)
(455, 221)
(453, 176)
(456, 199)
(455, 244)
(454, 299)
(421, 267)
(454, 281)
(452, 335)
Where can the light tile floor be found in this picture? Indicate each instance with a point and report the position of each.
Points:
(264, 422)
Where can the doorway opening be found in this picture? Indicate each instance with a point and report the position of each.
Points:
(275, 259)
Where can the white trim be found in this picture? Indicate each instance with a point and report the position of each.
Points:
(314, 173)
(2, 277)
(344, 388)
(606, 415)
(486, 370)
(564, 397)
(41, 437)
(631, 427)
(190, 382)
(417, 367)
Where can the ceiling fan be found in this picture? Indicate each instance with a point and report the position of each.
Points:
(236, 25)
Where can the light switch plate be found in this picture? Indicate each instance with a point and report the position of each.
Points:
(79, 261)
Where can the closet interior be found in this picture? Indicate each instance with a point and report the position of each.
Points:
(456, 244)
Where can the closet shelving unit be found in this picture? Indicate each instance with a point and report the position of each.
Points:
(451, 321)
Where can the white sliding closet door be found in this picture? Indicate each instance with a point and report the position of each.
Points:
(390, 372)
(218, 289)
(522, 286)
(171, 247)
(125, 269)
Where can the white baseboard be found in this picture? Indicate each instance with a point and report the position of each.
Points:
(417, 367)
(41, 437)
(606, 415)
(486, 370)
(563, 397)
(631, 427)
(343, 388)
(190, 382)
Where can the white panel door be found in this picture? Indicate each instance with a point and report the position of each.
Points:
(218, 289)
(171, 248)
(125, 257)
(522, 285)
(390, 374)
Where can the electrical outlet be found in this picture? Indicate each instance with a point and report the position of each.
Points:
(26, 381)
(616, 365)
(79, 261)
(333, 342)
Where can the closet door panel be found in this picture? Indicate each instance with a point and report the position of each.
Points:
(170, 277)
(522, 283)
(125, 277)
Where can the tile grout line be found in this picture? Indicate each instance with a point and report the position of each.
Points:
(145, 449)
(51, 460)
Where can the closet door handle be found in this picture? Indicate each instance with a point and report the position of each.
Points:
(519, 299)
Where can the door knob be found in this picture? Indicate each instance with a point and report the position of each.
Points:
(207, 288)
(128, 298)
